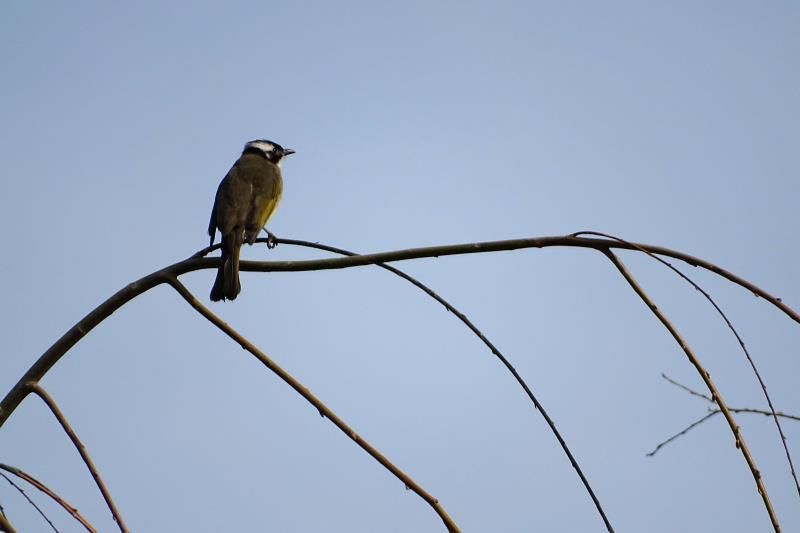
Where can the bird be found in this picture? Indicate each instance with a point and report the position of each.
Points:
(246, 198)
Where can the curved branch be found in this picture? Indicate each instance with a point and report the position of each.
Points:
(33, 503)
(47, 399)
(472, 327)
(196, 262)
(55, 497)
(735, 334)
(704, 374)
(323, 409)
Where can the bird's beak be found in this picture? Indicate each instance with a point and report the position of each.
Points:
(288, 151)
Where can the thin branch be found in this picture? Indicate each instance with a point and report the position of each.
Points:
(472, 327)
(42, 487)
(39, 391)
(196, 262)
(33, 503)
(683, 432)
(5, 525)
(324, 410)
(704, 374)
(712, 412)
(735, 334)
(687, 389)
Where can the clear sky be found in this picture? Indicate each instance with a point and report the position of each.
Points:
(415, 123)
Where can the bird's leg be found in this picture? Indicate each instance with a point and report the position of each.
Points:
(272, 239)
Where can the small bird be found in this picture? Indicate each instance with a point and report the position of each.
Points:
(247, 196)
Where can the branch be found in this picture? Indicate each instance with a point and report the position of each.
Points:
(5, 525)
(42, 487)
(39, 391)
(197, 262)
(33, 503)
(711, 413)
(472, 327)
(735, 429)
(324, 410)
(683, 432)
(738, 338)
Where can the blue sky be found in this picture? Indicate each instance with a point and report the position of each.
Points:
(415, 124)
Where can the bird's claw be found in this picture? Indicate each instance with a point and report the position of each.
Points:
(272, 240)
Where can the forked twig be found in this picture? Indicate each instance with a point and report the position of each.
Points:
(323, 409)
(721, 313)
(55, 497)
(711, 413)
(472, 327)
(704, 374)
(87, 460)
(33, 503)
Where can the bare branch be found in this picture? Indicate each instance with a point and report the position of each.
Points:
(683, 432)
(39, 391)
(472, 327)
(735, 429)
(735, 334)
(5, 525)
(198, 262)
(687, 389)
(323, 409)
(711, 413)
(33, 503)
(42, 487)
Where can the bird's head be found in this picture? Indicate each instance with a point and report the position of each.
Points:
(274, 152)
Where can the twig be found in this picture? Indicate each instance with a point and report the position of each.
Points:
(735, 429)
(735, 334)
(472, 327)
(683, 432)
(687, 389)
(323, 409)
(42, 487)
(711, 413)
(39, 391)
(196, 262)
(33, 503)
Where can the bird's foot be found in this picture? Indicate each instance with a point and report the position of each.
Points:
(272, 240)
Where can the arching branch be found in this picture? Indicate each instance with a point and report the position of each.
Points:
(323, 409)
(706, 376)
(55, 497)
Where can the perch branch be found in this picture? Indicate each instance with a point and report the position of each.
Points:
(55, 497)
(712, 388)
(313, 400)
(47, 399)
(472, 327)
(197, 262)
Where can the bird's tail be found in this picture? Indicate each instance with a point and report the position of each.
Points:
(226, 285)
